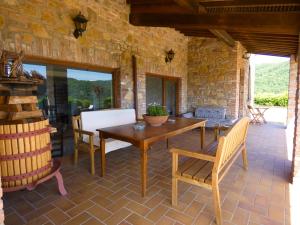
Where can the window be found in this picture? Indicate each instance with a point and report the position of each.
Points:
(68, 91)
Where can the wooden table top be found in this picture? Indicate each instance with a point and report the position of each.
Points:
(150, 133)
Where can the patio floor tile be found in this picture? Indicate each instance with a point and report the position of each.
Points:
(258, 196)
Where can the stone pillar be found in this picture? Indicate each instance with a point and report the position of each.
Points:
(1, 206)
(296, 144)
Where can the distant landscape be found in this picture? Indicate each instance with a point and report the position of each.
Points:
(271, 84)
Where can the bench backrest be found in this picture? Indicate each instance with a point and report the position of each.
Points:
(93, 120)
(210, 112)
(231, 143)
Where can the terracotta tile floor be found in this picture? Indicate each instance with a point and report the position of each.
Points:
(257, 196)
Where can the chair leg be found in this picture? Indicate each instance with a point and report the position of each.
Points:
(174, 191)
(217, 203)
(245, 159)
(75, 155)
(92, 155)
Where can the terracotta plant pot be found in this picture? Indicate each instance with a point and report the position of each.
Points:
(155, 121)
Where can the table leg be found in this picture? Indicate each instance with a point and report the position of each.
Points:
(103, 160)
(202, 136)
(144, 161)
(167, 143)
(216, 129)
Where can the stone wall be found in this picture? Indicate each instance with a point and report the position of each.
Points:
(109, 41)
(296, 144)
(214, 75)
(292, 90)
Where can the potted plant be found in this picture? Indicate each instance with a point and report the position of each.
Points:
(156, 115)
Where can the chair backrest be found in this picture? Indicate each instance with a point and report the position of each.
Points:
(230, 143)
(92, 120)
(76, 124)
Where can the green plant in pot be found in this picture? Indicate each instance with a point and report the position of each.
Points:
(156, 115)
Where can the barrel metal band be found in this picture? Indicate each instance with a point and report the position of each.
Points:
(25, 134)
(26, 175)
(26, 154)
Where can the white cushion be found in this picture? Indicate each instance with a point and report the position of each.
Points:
(111, 144)
(93, 120)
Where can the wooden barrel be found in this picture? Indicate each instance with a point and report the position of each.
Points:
(25, 153)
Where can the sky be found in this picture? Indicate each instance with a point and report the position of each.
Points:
(260, 59)
(72, 73)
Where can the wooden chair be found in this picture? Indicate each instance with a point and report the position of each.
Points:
(257, 114)
(79, 144)
(207, 170)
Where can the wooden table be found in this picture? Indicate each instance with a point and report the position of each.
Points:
(142, 139)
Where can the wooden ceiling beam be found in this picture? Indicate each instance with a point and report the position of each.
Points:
(224, 36)
(194, 6)
(276, 23)
(274, 37)
(167, 9)
(191, 5)
(248, 3)
(267, 41)
(264, 51)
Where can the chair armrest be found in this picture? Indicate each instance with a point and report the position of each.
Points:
(89, 133)
(191, 154)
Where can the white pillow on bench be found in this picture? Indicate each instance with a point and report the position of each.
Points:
(93, 120)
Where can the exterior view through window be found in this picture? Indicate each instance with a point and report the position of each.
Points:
(68, 91)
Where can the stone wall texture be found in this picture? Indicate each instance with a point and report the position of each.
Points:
(211, 72)
(214, 71)
(109, 41)
(295, 85)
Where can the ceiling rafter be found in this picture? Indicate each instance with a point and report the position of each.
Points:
(193, 5)
(265, 26)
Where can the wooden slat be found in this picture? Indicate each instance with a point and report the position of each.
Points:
(4, 169)
(204, 172)
(14, 147)
(38, 146)
(3, 115)
(193, 169)
(25, 115)
(21, 150)
(29, 107)
(9, 151)
(34, 160)
(186, 164)
(21, 99)
(27, 147)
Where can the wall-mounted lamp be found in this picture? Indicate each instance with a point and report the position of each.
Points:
(246, 55)
(169, 56)
(80, 24)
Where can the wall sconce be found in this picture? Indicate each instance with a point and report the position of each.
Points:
(80, 24)
(169, 56)
(246, 55)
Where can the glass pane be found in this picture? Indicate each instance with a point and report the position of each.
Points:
(153, 90)
(171, 97)
(42, 89)
(89, 90)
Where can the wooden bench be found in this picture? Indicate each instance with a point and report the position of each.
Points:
(207, 170)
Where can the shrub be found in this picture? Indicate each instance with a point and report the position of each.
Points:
(272, 100)
(156, 110)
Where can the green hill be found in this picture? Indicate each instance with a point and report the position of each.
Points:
(272, 78)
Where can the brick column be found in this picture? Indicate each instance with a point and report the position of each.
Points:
(296, 146)
(1, 206)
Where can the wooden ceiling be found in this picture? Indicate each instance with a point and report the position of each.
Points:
(263, 26)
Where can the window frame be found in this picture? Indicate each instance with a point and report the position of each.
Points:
(116, 80)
